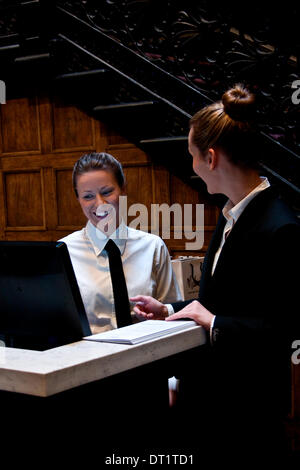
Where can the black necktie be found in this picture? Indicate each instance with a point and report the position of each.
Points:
(122, 305)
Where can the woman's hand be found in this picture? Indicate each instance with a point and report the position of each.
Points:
(195, 311)
(148, 308)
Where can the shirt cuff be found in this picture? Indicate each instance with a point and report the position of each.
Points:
(211, 330)
(170, 309)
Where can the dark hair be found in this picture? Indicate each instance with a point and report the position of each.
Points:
(229, 125)
(98, 161)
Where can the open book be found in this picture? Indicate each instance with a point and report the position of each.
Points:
(142, 331)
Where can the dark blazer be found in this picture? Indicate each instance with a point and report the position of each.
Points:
(254, 295)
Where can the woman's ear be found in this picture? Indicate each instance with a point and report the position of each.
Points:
(212, 158)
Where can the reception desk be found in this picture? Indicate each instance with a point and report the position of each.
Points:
(45, 373)
(108, 399)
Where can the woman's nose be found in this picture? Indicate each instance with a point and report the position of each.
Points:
(100, 199)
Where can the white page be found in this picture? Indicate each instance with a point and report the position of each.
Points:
(142, 331)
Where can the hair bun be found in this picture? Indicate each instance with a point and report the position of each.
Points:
(238, 103)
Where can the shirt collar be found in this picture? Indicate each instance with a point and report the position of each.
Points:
(98, 239)
(232, 212)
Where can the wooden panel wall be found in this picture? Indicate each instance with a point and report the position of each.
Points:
(41, 137)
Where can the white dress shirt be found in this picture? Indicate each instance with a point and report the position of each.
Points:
(146, 263)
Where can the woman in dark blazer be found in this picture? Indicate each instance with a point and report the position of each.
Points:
(238, 385)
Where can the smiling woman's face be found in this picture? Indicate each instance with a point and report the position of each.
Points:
(96, 188)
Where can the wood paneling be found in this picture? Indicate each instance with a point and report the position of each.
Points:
(24, 197)
(69, 213)
(128, 154)
(72, 128)
(20, 126)
(41, 138)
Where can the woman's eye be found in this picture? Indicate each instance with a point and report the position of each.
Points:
(88, 196)
(106, 193)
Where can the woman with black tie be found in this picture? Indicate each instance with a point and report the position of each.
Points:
(237, 388)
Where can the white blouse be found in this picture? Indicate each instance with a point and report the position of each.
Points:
(146, 263)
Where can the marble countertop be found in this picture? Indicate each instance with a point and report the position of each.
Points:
(44, 373)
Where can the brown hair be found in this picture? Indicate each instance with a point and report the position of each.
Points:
(98, 161)
(228, 124)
